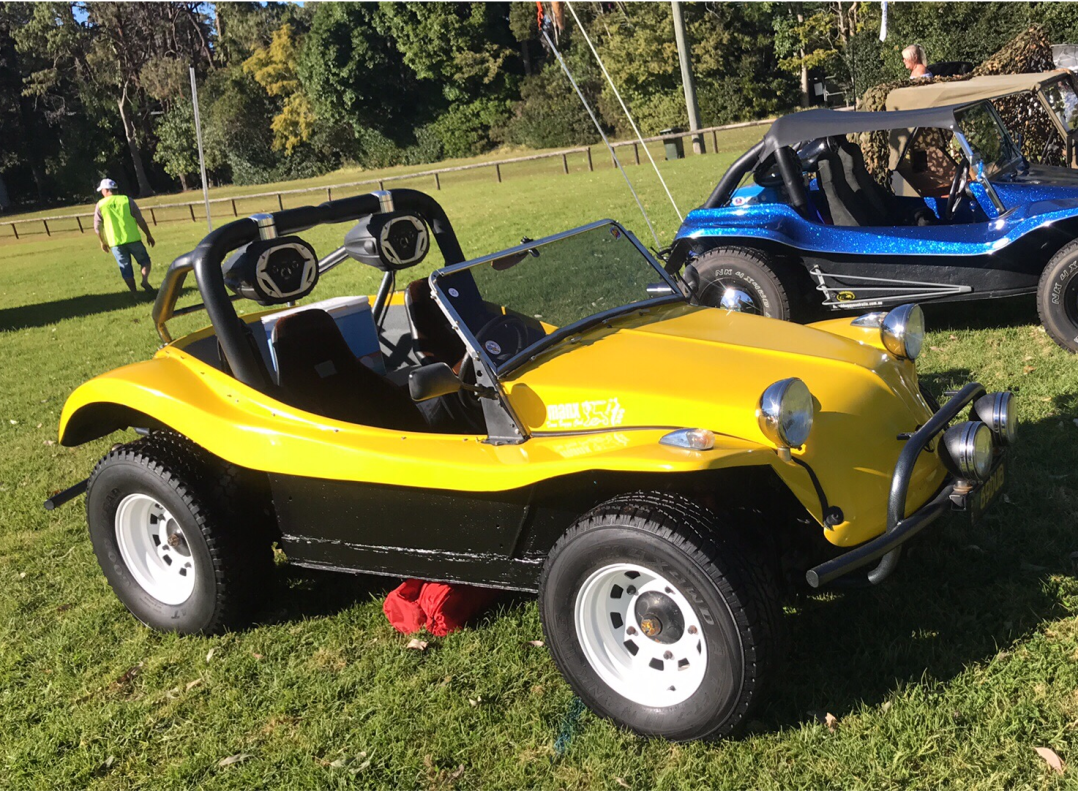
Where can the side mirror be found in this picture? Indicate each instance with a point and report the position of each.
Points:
(433, 381)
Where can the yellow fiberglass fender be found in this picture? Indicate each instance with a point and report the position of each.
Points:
(255, 431)
(706, 368)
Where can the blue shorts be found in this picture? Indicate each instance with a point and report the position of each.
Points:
(125, 252)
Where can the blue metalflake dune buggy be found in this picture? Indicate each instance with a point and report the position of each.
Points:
(965, 218)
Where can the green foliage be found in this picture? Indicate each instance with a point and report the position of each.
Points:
(466, 129)
(274, 68)
(87, 88)
(177, 149)
(549, 114)
(354, 75)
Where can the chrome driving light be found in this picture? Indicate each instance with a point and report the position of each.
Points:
(968, 450)
(903, 331)
(996, 411)
(785, 413)
(692, 439)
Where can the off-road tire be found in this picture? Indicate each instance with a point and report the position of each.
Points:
(761, 275)
(1057, 297)
(232, 564)
(687, 545)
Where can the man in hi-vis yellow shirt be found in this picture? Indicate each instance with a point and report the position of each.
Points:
(117, 221)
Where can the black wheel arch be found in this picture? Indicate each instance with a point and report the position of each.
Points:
(754, 497)
(96, 420)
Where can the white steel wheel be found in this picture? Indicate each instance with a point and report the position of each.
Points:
(640, 635)
(656, 619)
(155, 549)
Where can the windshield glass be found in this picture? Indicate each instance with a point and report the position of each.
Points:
(511, 301)
(987, 137)
(1063, 102)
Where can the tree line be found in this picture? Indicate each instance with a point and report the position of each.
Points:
(287, 91)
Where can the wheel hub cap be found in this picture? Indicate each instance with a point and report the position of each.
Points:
(154, 549)
(659, 617)
(734, 299)
(640, 635)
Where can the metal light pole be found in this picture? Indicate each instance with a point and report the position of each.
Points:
(201, 160)
(686, 77)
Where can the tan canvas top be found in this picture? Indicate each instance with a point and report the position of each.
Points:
(947, 93)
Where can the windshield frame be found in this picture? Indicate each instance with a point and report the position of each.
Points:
(472, 344)
(1001, 169)
(1042, 94)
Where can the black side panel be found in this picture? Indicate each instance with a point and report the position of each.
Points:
(405, 532)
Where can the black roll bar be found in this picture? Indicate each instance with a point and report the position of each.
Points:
(732, 178)
(206, 259)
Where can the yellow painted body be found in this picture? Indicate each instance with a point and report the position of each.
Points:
(598, 402)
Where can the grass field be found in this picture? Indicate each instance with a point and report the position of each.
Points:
(948, 676)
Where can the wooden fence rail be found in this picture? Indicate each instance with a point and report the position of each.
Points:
(10, 229)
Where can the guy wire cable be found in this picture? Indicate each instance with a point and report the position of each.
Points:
(610, 148)
(624, 108)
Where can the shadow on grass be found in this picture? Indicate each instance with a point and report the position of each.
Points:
(961, 595)
(301, 593)
(49, 313)
(1010, 312)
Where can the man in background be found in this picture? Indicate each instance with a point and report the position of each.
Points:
(913, 57)
(117, 221)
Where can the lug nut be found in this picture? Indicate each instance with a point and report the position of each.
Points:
(668, 655)
(669, 590)
(630, 590)
(692, 629)
(631, 630)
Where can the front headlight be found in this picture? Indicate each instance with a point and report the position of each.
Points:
(903, 331)
(968, 450)
(996, 411)
(785, 412)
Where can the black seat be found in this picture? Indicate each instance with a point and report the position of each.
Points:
(841, 200)
(319, 373)
(432, 336)
(433, 340)
(856, 199)
(871, 198)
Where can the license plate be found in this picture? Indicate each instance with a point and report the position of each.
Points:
(982, 497)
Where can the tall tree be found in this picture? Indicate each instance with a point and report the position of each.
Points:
(106, 48)
(274, 68)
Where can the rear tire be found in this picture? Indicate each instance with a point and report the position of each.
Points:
(753, 282)
(658, 622)
(1057, 297)
(165, 541)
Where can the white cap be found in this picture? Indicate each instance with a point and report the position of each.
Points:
(106, 184)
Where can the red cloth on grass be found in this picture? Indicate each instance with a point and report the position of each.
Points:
(441, 608)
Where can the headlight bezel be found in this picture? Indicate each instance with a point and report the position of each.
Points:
(776, 407)
(969, 450)
(903, 331)
(997, 410)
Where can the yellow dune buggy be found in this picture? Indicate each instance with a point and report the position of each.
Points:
(558, 417)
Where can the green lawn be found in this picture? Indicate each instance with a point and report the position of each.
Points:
(948, 676)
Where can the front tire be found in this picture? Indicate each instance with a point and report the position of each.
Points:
(740, 279)
(168, 550)
(656, 621)
(1057, 297)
